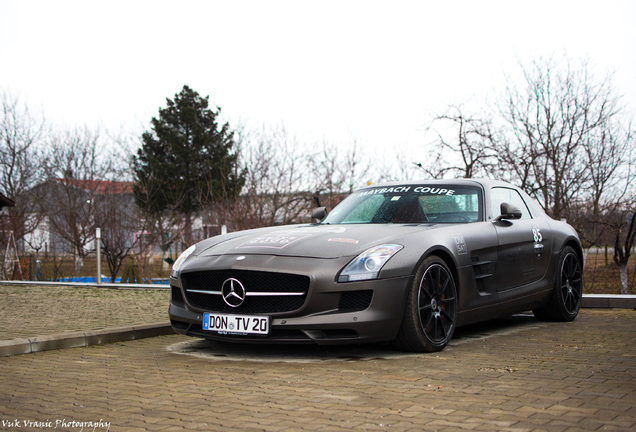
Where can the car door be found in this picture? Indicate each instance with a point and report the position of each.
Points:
(524, 244)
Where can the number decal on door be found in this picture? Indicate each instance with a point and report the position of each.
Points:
(538, 242)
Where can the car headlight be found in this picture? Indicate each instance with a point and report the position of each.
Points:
(177, 264)
(368, 264)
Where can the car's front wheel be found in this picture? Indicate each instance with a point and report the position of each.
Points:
(430, 312)
(568, 289)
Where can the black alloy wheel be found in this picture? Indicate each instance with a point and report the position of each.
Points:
(571, 284)
(431, 309)
(566, 297)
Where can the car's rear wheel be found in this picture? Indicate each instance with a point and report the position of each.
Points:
(430, 312)
(565, 302)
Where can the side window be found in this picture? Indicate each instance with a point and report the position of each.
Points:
(462, 206)
(510, 196)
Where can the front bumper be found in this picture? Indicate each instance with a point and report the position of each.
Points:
(322, 318)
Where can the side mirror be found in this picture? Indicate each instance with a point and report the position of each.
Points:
(508, 211)
(319, 213)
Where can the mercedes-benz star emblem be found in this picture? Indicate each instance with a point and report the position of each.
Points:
(233, 292)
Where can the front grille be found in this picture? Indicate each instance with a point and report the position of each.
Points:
(260, 305)
(254, 282)
(353, 301)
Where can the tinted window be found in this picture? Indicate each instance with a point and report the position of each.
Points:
(412, 204)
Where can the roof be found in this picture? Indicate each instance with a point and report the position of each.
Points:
(456, 182)
(103, 187)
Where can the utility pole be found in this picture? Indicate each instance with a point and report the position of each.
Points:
(98, 249)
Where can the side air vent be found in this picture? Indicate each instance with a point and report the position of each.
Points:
(177, 297)
(353, 301)
(482, 271)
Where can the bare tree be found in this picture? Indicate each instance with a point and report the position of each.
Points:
(400, 164)
(77, 163)
(462, 146)
(624, 236)
(610, 155)
(559, 133)
(552, 123)
(609, 161)
(276, 187)
(335, 172)
(116, 215)
(21, 140)
(285, 178)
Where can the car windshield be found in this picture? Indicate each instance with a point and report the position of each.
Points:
(409, 204)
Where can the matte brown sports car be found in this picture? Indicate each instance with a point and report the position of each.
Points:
(399, 262)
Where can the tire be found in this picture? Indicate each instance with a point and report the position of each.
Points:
(430, 312)
(565, 301)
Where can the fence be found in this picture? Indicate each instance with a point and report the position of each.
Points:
(601, 274)
(65, 268)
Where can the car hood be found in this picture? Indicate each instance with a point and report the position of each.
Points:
(310, 241)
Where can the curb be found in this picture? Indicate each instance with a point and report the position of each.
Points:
(158, 287)
(82, 339)
(620, 301)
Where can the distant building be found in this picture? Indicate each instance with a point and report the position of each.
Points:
(65, 203)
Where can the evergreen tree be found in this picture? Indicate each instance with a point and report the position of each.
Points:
(186, 159)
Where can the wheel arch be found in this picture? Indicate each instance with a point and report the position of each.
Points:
(429, 333)
(578, 249)
(448, 259)
(565, 300)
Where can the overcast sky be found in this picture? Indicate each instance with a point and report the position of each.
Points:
(335, 69)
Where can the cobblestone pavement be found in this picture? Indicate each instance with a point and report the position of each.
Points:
(510, 375)
(34, 310)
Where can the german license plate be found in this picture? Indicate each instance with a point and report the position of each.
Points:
(243, 325)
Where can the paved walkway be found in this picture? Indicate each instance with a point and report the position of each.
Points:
(508, 375)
